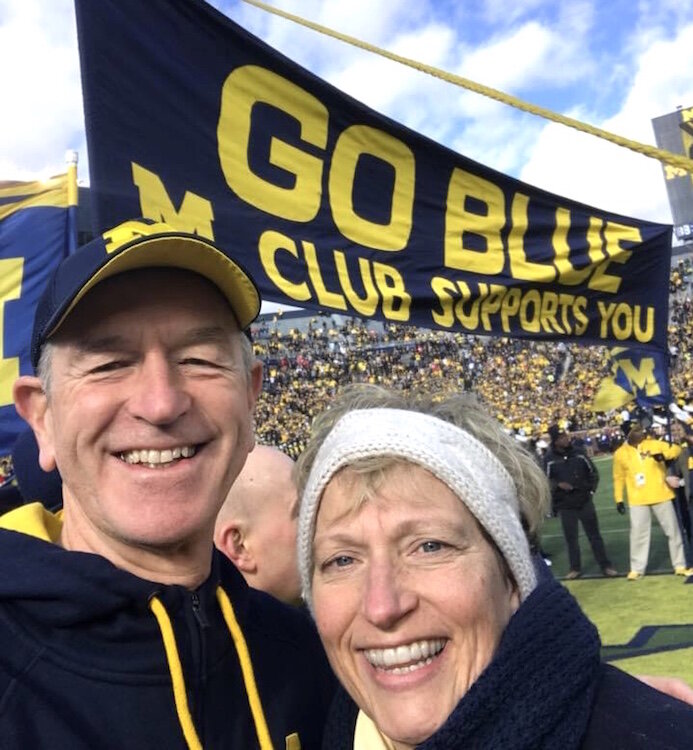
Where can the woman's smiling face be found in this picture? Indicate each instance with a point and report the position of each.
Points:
(410, 598)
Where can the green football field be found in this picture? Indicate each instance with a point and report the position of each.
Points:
(646, 626)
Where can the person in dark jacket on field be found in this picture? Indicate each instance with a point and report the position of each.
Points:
(574, 479)
(120, 624)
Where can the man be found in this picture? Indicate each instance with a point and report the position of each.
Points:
(640, 469)
(120, 625)
(256, 526)
(574, 479)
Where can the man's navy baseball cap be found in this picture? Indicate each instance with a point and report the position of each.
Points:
(141, 243)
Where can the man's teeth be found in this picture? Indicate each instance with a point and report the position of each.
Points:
(405, 658)
(155, 458)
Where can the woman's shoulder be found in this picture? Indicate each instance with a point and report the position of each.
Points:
(629, 714)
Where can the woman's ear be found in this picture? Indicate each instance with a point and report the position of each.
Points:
(33, 406)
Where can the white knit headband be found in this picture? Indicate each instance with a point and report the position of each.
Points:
(451, 454)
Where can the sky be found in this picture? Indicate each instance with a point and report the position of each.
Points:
(614, 64)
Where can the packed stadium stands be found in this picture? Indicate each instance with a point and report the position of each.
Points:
(527, 385)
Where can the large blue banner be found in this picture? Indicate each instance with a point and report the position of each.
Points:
(35, 234)
(331, 205)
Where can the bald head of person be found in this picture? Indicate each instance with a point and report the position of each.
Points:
(256, 526)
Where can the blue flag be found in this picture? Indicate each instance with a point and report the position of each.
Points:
(37, 230)
(636, 375)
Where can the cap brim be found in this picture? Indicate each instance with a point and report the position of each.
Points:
(187, 252)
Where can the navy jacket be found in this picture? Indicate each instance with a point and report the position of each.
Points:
(83, 664)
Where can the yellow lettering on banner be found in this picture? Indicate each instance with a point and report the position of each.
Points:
(367, 305)
(470, 320)
(594, 240)
(614, 234)
(11, 272)
(510, 307)
(567, 273)
(195, 214)
(532, 299)
(643, 377)
(520, 266)
(491, 304)
(325, 297)
(579, 307)
(269, 245)
(244, 88)
(535, 311)
(351, 145)
(602, 281)
(381, 283)
(646, 333)
(459, 220)
(549, 308)
(444, 289)
(624, 321)
(391, 286)
(605, 313)
(565, 302)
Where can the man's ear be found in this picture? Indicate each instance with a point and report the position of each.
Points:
(230, 540)
(32, 405)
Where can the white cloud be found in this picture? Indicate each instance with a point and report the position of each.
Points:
(42, 102)
(595, 172)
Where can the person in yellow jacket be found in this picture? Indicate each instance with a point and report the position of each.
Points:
(639, 468)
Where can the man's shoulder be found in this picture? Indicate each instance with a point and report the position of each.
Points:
(628, 713)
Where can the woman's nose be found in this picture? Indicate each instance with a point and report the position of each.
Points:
(387, 598)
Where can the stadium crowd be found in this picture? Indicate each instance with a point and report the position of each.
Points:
(528, 385)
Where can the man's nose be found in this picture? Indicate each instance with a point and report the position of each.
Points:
(388, 597)
(159, 395)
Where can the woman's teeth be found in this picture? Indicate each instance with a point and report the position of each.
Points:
(402, 659)
(153, 458)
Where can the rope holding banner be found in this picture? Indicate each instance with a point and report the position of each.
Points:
(667, 157)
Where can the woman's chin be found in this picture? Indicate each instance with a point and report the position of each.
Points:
(411, 719)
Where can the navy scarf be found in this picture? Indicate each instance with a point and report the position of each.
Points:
(536, 694)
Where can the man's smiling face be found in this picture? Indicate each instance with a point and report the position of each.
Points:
(149, 413)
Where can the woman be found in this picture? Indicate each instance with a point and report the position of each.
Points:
(415, 564)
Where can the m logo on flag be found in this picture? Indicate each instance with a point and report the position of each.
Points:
(636, 375)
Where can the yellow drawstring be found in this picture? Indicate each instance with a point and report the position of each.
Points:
(179, 694)
(263, 735)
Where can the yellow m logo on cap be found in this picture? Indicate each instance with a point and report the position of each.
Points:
(128, 231)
